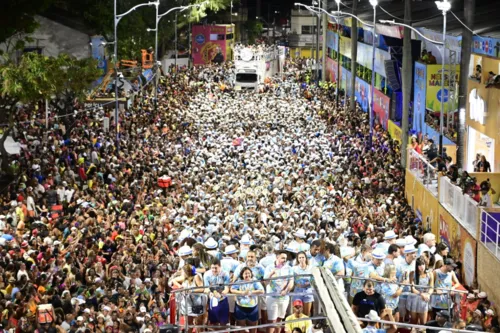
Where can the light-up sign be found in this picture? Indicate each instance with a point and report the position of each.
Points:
(477, 109)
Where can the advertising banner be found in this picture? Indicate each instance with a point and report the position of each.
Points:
(468, 256)
(98, 53)
(345, 80)
(486, 46)
(345, 46)
(332, 40)
(433, 93)
(390, 30)
(381, 105)
(419, 95)
(331, 70)
(362, 93)
(207, 40)
(394, 130)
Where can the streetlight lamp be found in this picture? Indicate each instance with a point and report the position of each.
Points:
(374, 4)
(117, 18)
(443, 6)
(337, 97)
(441, 114)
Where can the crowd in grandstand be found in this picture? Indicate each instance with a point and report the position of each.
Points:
(235, 195)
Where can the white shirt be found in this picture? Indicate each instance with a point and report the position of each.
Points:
(486, 201)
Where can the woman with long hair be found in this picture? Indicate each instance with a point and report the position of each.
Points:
(191, 305)
(422, 287)
(206, 259)
(303, 283)
(391, 291)
(246, 310)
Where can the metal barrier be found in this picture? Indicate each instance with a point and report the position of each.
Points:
(416, 326)
(420, 167)
(490, 232)
(460, 205)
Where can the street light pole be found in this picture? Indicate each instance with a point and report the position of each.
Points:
(337, 97)
(443, 6)
(175, 42)
(117, 19)
(317, 42)
(374, 3)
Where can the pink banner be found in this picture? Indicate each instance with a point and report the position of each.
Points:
(381, 105)
(331, 70)
(207, 40)
(390, 30)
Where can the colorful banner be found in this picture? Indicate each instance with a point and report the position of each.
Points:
(486, 46)
(345, 80)
(332, 40)
(468, 252)
(390, 30)
(419, 95)
(331, 70)
(449, 232)
(433, 93)
(345, 46)
(362, 93)
(207, 40)
(98, 53)
(394, 131)
(381, 105)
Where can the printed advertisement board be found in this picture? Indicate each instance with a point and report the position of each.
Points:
(331, 70)
(381, 105)
(486, 46)
(433, 93)
(419, 95)
(362, 93)
(207, 40)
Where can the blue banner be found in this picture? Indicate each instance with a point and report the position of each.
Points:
(420, 87)
(362, 93)
(486, 46)
(148, 74)
(332, 40)
(98, 53)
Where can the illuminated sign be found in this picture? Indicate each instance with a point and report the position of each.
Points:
(477, 109)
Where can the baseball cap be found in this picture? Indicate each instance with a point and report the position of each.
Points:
(444, 313)
(298, 302)
(450, 262)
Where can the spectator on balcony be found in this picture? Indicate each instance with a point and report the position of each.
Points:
(441, 254)
(432, 151)
(424, 57)
(416, 145)
(432, 59)
(475, 163)
(483, 165)
(485, 196)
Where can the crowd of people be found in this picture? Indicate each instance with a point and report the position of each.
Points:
(221, 192)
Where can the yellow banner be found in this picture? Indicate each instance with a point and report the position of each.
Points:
(394, 131)
(433, 95)
(345, 46)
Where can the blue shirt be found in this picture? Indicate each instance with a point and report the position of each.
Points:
(229, 264)
(257, 270)
(360, 270)
(387, 290)
(267, 260)
(218, 282)
(248, 301)
(317, 260)
(334, 264)
(302, 281)
(278, 285)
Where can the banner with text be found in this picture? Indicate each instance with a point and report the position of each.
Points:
(486, 46)
(434, 93)
(331, 70)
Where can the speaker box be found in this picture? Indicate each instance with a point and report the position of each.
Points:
(392, 75)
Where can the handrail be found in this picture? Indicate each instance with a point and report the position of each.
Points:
(416, 326)
(403, 284)
(281, 323)
(284, 277)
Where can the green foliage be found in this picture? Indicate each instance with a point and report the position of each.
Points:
(254, 30)
(18, 19)
(38, 77)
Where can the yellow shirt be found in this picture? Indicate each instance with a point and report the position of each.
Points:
(304, 325)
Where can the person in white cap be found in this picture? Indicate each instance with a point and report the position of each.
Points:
(389, 238)
(300, 236)
(373, 326)
(404, 270)
(212, 248)
(229, 264)
(184, 253)
(373, 269)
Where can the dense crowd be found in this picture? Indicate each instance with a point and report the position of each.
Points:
(217, 187)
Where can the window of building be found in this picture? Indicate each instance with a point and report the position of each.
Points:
(229, 36)
(307, 30)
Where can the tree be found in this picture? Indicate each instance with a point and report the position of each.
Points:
(36, 77)
(18, 20)
(254, 30)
